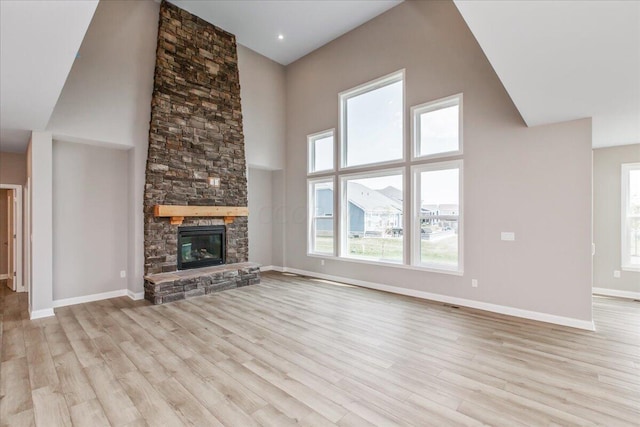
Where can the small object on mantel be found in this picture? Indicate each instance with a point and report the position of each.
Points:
(177, 213)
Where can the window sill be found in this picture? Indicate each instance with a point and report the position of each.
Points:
(388, 264)
(631, 268)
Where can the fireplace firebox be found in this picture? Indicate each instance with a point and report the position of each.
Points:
(201, 246)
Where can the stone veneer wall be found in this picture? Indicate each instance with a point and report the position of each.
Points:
(195, 132)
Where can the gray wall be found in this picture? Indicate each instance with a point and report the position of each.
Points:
(13, 168)
(260, 216)
(278, 194)
(106, 101)
(535, 182)
(607, 217)
(90, 206)
(262, 88)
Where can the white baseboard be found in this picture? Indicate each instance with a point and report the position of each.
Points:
(4, 276)
(272, 268)
(39, 314)
(616, 293)
(135, 295)
(97, 297)
(495, 308)
(89, 298)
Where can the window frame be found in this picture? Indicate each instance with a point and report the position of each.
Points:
(438, 104)
(344, 96)
(416, 228)
(311, 152)
(343, 228)
(625, 256)
(311, 217)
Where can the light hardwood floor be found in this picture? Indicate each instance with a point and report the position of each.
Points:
(294, 350)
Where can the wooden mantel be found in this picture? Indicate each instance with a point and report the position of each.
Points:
(178, 213)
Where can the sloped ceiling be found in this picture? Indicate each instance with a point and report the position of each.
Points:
(39, 41)
(559, 60)
(564, 60)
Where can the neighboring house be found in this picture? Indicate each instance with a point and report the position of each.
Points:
(444, 215)
(324, 208)
(370, 211)
(393, 193)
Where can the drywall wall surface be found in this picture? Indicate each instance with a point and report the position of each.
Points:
(535, 182)
(40, 164)
(607, 218)
(90, 205)
(278, 197)
(260, 216)
(13, 168)
(107, 93)
(262, 89)
(106, 101)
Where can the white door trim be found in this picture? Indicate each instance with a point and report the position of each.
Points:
(17, 248)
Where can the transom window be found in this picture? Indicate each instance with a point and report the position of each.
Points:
(321, 151)
(437, 127)
(372, 122)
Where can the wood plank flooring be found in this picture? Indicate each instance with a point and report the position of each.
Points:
(299, 351)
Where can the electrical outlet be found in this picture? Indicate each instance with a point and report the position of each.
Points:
(616, 274)
(508, 235)
(321, 262)
(123, 274)
(474, 283)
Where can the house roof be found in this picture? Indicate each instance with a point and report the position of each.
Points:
(371, 200)
(393, 193)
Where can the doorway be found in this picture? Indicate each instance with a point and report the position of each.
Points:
(11, 237)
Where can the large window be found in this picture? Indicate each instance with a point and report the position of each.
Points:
(437, 215)
(371, 122)
(372, 216)
(382, 174)
(631, 216)
(321, 226)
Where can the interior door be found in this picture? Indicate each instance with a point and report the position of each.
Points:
(11, 239)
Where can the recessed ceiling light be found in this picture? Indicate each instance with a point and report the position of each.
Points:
(280, 37)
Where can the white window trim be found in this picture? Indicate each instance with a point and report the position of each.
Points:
(344, 212)
(626, 265)
(438, 104)
(415, 215)
(311, 216)
(311, 139)
(397, 76)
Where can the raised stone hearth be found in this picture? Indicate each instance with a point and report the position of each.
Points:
(167, 287)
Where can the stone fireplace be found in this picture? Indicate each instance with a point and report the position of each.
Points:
(195, 139)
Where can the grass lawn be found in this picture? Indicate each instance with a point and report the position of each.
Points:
(441, 251)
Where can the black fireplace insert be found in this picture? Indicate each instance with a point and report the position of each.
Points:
(201, 246)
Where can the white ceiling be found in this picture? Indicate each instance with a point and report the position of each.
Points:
(564, 60)
(559, 60)
(305, 25)
(39, 41)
